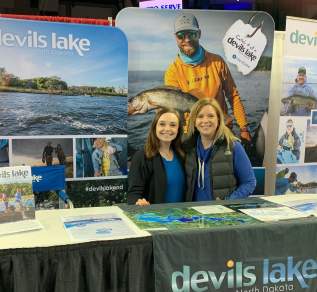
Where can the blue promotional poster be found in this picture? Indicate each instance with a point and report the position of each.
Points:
(46, 178)
(63, 89)
(296, 153)
(233, 66)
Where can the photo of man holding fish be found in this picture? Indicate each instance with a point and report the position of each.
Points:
(299, 98)
(156, 79)
(298, 103)
(203, 74)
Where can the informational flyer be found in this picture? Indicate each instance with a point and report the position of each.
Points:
(305, 203)
(274, 214)
(20, 226)
(212, 209)
(97, 227)
(17, 211)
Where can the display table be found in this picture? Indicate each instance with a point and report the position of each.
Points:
(53, 232)
(266, 257)
(260, 256)
(47, 260)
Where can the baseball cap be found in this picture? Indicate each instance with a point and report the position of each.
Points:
(293, 176)
(186, 21)
(301, 70)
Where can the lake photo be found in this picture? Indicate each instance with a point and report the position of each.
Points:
(49, 88)
(26, 114)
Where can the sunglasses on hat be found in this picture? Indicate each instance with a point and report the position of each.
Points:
(192, 35)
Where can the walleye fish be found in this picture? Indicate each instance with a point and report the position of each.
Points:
(298, 105)
(299, 100)
(158, 97)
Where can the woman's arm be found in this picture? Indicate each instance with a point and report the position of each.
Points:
(137, 178)
(243, 172)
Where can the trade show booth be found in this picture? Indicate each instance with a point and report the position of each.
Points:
(78, 99)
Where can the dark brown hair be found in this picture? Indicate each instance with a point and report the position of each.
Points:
(152, 145)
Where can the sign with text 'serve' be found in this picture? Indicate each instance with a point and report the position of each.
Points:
(171, 4)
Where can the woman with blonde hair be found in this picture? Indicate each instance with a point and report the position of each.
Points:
(156, 174)
(216, 164)
(104, 161)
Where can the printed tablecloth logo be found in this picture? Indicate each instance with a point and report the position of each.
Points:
(239, 277)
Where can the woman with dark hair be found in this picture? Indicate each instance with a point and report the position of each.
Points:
(60, 154)
(216, 164)
(156, 174)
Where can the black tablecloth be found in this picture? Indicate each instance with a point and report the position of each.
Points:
(261, 257)
(119, 265)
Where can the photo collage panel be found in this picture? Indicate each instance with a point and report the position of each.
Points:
(296, 155)
(64, 108)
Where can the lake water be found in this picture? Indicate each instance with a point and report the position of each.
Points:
(26, 114)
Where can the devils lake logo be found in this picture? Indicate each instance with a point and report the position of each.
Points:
(297, 37)
(35, 40)
(238, 277)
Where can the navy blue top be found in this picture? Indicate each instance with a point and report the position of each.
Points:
(175, 180)
(203, 190)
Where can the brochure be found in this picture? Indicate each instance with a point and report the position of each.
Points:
(212, 209)
(306, 203)
(17, 208)
(97, 227)
(274, 214)
(20, 226)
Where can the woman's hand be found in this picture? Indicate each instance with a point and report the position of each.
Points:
(142, 202)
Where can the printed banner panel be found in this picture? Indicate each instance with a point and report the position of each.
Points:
(64, 99)
(296, 153)
(235, 68)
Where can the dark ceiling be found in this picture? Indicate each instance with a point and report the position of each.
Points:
(278, 9)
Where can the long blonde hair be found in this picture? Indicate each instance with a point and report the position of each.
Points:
(105, 161)
(152, 145)
(222, 132)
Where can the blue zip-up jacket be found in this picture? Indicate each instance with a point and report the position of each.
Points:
(243, 171)
(239, 175)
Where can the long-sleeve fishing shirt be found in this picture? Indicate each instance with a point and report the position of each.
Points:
(209, 79)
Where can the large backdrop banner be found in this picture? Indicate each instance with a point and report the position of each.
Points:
(63, 90)
(297, 140)
(236, 69)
